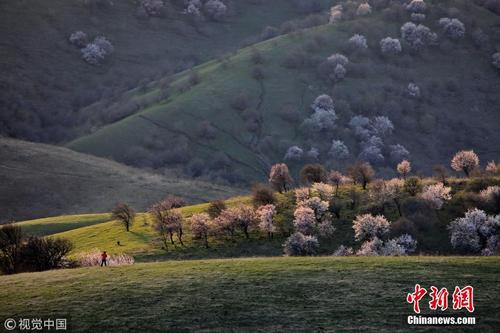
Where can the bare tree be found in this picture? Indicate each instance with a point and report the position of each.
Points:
(124, 214)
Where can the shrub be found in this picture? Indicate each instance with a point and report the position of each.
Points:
(262, 195)
(343, 251)
(300, 245)
(294, 153)
(313, 173)
(279, 177)
(452, 28)
(436, 195)
(11, 238)
(78, 38)
(40, 254)
(475, 232)
(266, 215)
(93, 258)
(200, 227)
(215, 9)
(466, 161)
(368, 227)
(390, 46)
(413, 186)
(124, 214)
(215, 208)
(413, 90)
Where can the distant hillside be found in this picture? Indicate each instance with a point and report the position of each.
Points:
(44, 80)
(237, 116)
(38, 180)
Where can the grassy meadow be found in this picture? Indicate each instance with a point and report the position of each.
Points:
(249, 295)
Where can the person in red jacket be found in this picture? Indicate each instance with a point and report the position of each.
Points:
(104, 259)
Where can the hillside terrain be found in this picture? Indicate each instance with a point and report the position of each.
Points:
(231, 119)
(38, 180)
(45, 81)
(258, 294)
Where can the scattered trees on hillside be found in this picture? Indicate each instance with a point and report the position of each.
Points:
(124, 214)
(476, 232)
(280, 178)
(466, 161)
(452, 27)
(167, 222)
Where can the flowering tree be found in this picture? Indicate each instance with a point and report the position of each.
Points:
(93, 54)
(398, 152)
(338, 150)
(78, 38)
(475, 232)
(337, 178)
(343, 251)
(319, 207)
(417, 17)
(383, 192)
(313, 154)
(323, 191)
(215, 9)
(413, 90)
(200, 227)
(266, 215)
(496, 60)
(323, 102)
(436, 195)
(453, 28)
(491, 167)
(416, 6)
(390, 46)
(299, 245)
(335, 14)
(167, 221)
(279, 177)
(368, 227)
(301, 195)
(304, 220)
(358, 42)
(491, 194)
(364, 9)
(466, 161)
(361, 172)
(404, 168)
(294, 153)
(400, 246)
(324, 117)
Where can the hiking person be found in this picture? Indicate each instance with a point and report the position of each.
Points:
(104, 259)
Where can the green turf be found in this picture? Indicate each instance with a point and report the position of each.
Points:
(249, 295)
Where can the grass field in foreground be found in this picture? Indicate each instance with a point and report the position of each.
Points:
(259, 294)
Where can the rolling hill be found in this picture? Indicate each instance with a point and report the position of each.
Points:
(233, 118)
(257, 294)
(38, 180)
(45, 81)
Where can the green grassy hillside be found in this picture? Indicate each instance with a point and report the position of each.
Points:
(272, 294)
(44, 80)
(38, 180)
(457, 107)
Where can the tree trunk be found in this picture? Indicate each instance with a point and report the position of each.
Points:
(206, 241)
(245, 230)
(172, 238)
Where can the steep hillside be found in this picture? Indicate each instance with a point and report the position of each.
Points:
(44, 80)
(38, 180)
(257, 294)
(237, 116)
